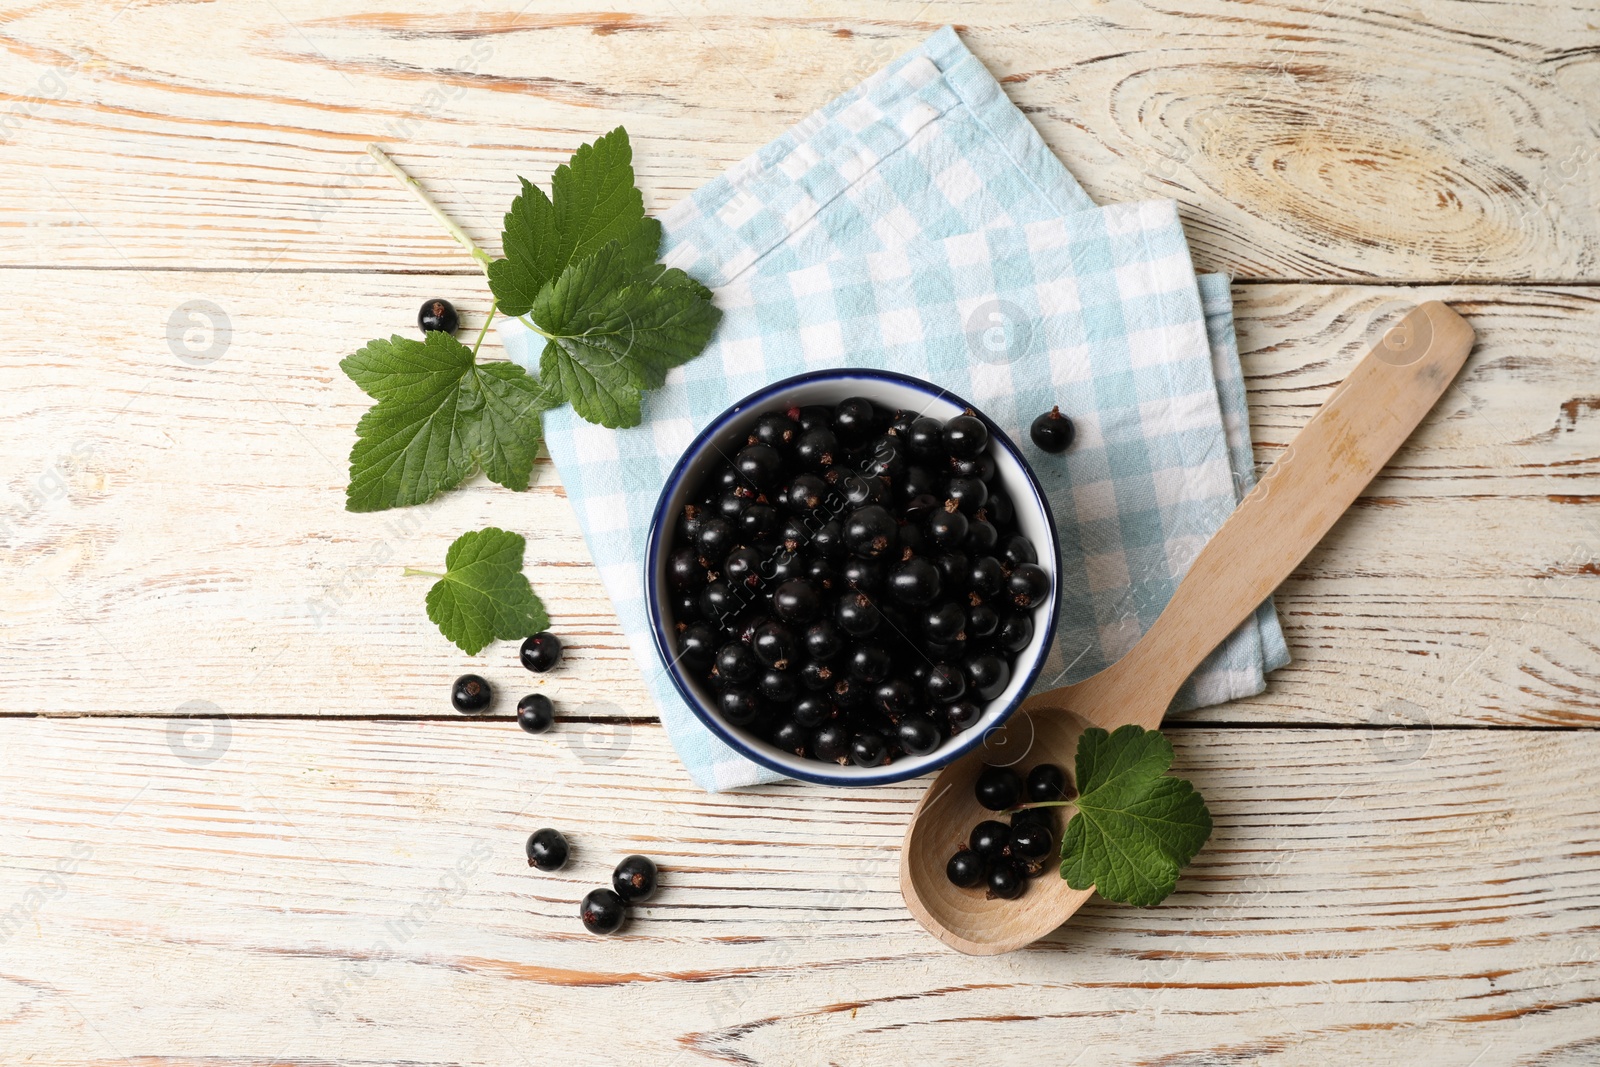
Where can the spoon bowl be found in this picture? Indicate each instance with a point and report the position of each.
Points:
(1299, 499)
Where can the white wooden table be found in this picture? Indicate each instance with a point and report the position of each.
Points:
(328, 869)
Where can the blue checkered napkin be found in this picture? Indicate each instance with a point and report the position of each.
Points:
(918, 223)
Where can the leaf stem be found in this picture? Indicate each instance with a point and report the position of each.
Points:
(412, 572)
(530, 324)
(1039, 804)
(483, 258)
(476, 344)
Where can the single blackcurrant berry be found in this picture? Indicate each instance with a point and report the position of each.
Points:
(965, 436)
(1007, 882)
(535, 713)
(684, 572)
(870, 663)
(988, 675)
(1016, 631)
(831, 744)
(962, 715)
(919, 735)
(946, 683)
(811, 712)
(945, 623)
(1017, 550)
(602, 911)
(817, 448)
(982, 621)
(791, 737)
(697, 647)
(796, 601)
(739, 706)
(1028, 585)
(1052, 432)
(438, 315)
(998, 788)
(915, 582)
(758, 464)
(774, 645)
(868, 749)
(776, 429)
(470, 693)
(1046, 782)
(990, 838)
(894, 698)
(779, 687)
(547, 850)
(948, 527)
(857, 615)
(926, 438)
(854, 420)
(823, 640)
(736, 664)
(635, 879)
(1030, 842)
(714, 539)
(541, 652)
(965, 868)
(870, 531)
(969, 494)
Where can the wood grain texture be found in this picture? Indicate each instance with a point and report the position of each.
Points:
(355, 893)
(176, 532)
(1409, 141)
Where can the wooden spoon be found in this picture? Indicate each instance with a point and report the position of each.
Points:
(1312, 483)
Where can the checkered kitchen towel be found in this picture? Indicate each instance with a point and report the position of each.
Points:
(918, 223)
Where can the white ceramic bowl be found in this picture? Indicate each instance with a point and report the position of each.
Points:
(723, 436)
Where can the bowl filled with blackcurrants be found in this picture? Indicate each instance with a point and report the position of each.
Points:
(851, 576)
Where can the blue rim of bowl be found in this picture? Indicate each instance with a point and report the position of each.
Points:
(655, 543)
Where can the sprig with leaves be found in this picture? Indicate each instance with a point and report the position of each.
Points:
(580, 270)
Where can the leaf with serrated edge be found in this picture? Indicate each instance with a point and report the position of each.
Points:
(417, 439)
(508, 426)
(595, 199)
(439, 415)
(484, 595)
(615, 330)
(1136, 828)
(594, 202)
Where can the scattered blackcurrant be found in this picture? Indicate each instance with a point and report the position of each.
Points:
(541, 652)
(535, 713)
(547, 850)
(470, 693)
(1052, 432)
(438, 315)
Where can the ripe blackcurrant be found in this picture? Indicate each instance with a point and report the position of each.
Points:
(634, 879)
(547, 850)
(990, 838)
(998, 788)
(470, 693)
(438, 315)
(1046, 782)
(1007, 882)
(535, 713)
(602, 911)
(965, 436)
(541, 652)
(1052, 432)
(965, 869)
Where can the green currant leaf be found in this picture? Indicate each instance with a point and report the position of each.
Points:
(594, 203)
(483, 594)
(439, 417)
(1136, 828)
(615, 331)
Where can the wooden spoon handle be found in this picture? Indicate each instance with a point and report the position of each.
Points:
(1317, 477)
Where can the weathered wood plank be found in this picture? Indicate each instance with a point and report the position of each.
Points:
(175, 532)
(1406, 141)
(344, 893)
